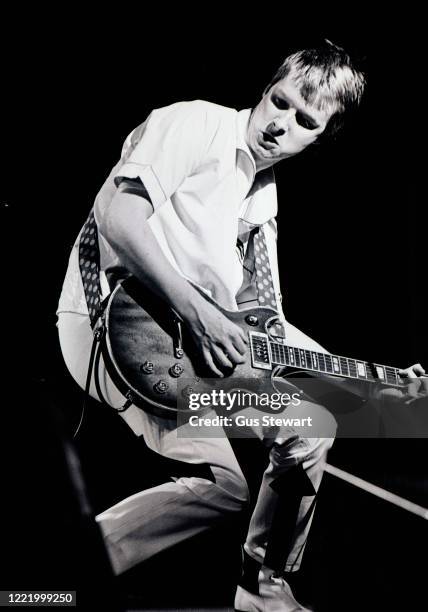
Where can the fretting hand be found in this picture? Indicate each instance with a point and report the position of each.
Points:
(415, 386)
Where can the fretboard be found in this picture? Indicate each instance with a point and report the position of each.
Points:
(325, 363)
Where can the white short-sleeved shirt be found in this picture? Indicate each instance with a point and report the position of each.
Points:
(201, 178)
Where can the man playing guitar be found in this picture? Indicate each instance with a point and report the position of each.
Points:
(176, 213)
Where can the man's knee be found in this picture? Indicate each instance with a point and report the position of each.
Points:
(233, 488)
(228, 492)
(318, 448)
(286, 453)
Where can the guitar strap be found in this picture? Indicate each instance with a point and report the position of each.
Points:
(89, 264)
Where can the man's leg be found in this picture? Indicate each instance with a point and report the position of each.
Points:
(292, 477)
(158, 518)
(282, 517)
(155, 519)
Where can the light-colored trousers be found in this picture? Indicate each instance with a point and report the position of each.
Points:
(155, 519)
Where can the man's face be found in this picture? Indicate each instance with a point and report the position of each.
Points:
(283, 124)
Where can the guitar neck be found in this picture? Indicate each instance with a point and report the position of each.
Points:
(336, 365)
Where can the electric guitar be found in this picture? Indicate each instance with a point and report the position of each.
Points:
(147, 351)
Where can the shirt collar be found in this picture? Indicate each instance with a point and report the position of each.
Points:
(261, 204)
(242, 120)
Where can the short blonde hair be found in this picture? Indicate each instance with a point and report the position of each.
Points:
(326, 78)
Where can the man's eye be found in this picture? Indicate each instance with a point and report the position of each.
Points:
(303, 122)
(280, 103)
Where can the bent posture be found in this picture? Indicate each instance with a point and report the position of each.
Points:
(193, 187)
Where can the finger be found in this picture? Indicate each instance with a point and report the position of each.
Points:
(411, 389)
(412, 372)
(240, 346)
(407, 373)
(221, 358)
(424, 387)
(234, 356)
(210, 363)
(418, 369)
(243, 336)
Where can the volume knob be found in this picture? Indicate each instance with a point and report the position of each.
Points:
(161, 386)
(147, 367)
(176, 370)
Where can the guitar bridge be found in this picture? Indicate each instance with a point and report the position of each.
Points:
(260, 351)
(178, 339)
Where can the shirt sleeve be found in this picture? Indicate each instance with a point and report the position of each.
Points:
(165, 149)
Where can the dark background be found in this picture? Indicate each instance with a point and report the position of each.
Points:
(351, 245)
(351, 232)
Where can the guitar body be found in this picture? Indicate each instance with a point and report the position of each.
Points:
(146, 355)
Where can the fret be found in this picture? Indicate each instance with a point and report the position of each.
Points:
(315, 360)
(276, 353)
(344, 366)
(361, 369)
(291, 356)
(391, 376)
(352, 368)
(400, 382)
(369, 371)
(336, 366)
(297, 357)
(328, 364)
(380, 371)
(308, 360)
(322, 362)
(302, 358)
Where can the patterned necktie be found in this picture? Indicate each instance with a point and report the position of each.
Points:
(89, 263)
(264, 282)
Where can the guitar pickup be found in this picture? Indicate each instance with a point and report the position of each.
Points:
(260, 351)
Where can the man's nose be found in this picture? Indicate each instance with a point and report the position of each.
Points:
(278, 127)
